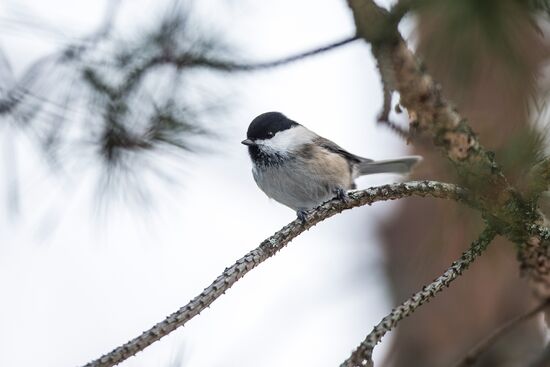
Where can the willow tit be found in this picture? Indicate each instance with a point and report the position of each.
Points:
(301, 169)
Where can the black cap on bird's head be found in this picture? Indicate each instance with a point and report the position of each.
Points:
(266, 125)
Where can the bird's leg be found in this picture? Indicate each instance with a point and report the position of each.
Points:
(302, 215)
(341, 194)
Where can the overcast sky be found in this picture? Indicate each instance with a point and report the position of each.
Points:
(74, 284)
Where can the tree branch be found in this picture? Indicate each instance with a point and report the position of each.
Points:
(501, 204)
(473, 355)
(290, 59)
(423, 98)
(362, 356)
(191, 60)
(270, 247)
(117, 94)
(186, 60)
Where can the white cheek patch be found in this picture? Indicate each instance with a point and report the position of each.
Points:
(287, 140)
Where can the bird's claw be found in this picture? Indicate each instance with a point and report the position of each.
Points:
(341, 194)
(302, 215)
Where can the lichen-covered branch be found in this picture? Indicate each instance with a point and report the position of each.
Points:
(501, 204)
(423, 99)
(362, 356)
(540, 231)
(270, 247)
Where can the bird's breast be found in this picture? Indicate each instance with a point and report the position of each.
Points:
(303, 183)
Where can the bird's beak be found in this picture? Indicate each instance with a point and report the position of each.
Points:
(248, 142)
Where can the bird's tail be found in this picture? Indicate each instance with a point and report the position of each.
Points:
(399, 165)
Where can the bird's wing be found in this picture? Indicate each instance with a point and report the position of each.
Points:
(335, 148)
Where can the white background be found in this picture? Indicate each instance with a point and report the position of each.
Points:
(75, 284)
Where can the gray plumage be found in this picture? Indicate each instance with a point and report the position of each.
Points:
(399, 165)
(301, 169)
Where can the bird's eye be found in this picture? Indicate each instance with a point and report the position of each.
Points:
(270, 133)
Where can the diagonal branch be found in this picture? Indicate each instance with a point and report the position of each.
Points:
(185, 59)
(501, 204)
(423, 98)
(473, 355)
(270, 247)
(291, 59)
(362, 356)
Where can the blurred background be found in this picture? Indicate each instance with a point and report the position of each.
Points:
(125, 189)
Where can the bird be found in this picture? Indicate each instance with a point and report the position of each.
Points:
(301, 170)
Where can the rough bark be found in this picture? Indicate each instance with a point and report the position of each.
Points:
(492, 291)
(363, 354)
(270, 247)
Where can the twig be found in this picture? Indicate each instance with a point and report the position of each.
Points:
(186, 60)
(190, 60)
(471, 358)
(270, 247)
(362, 356)
(287, 60)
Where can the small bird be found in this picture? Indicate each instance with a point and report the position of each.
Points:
(301, 169)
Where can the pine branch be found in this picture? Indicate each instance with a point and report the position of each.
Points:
(270, 247)
(423, 98)
(290, 59)
(191, 60)
(362, 356)
(186, 60)
(539, 179)
(507, 209)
